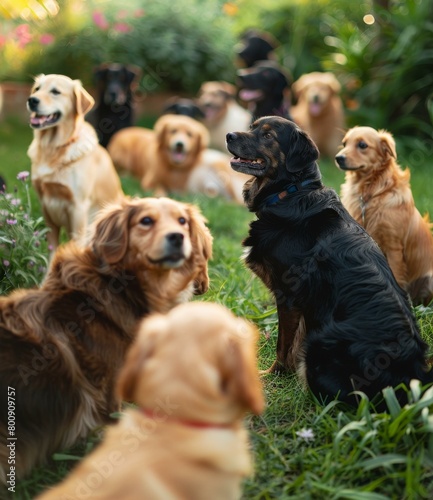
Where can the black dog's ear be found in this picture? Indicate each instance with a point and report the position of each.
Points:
(302, 150)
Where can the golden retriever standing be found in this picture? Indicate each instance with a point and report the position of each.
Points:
(193, 374)
(73, 176)
(377, 194)
(222, 113)
(319, 110)
(63, 344)
(166, 158)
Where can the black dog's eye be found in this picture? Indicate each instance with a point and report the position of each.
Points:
(362, 145)
(267, 135)
(146, 221)
(182, 220)
(55, 91)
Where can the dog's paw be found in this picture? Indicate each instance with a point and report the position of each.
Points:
(276, 368)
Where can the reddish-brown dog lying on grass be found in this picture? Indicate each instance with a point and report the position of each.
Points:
(63, 344)
(193, 374)
(377, 194)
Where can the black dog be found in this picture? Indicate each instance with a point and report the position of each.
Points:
(344, 322)
(266, 86)
(183, 106)
(113, 110)
(255, 46)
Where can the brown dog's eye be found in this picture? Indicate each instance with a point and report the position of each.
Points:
(362, 145)
(146, 221)
(182, 220)
(55, 91)
(36, 89)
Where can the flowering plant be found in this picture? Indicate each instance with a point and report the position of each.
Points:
(23, 245)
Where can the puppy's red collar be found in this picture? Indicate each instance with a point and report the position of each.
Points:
(189, 423)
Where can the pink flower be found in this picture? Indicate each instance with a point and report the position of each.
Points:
(6, 263)
(139, 13)
(3, 40)
(23, 35)
(46, 39)
(122, 27)
(100, 20)
(22, 176)
(11, 222)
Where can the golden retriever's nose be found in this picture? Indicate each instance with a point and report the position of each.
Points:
(341, 160)
(33, 103)
(231, 136)
(175, 240)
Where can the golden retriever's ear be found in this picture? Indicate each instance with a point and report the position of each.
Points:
(148, 333)
(83, 100)
(228, 89)
(201, 240)
(160, 129)
(111, 236)
(387, 144)
(332, 82)
(202, 137)
(240, 375)
(299, 85)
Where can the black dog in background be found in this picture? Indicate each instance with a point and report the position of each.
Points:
(183, 106)
(114, 107)
(344, 322)
(266, 88)
(254, 46)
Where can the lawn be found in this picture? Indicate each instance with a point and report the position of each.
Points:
(302, 449)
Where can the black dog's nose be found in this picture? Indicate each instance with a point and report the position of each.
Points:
(33, 103)
(175, 239)
(231, 136)
(341, 160)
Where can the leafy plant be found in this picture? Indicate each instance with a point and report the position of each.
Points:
(23, 245)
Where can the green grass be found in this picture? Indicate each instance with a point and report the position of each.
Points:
(353, 454)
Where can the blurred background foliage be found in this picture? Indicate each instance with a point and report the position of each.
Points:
(381, 50)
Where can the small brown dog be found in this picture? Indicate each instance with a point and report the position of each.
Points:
(193, 374)
(173, 158)
(63, 344)
(319, 110)
(72, 174)
(222, 113)
(377, 194)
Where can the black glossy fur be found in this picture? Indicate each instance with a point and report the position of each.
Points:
(183, 106)
(114, 107)
(342, 316)
(274, 85)
(255, 46)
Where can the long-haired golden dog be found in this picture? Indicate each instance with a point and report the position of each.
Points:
(319, 110)
(173, 158)
(193, 375)
(72, 174)
(377, 194)
(63, 344)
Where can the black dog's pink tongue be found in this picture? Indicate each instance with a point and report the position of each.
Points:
(250, 95)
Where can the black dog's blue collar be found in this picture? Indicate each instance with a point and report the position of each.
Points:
(291, 188)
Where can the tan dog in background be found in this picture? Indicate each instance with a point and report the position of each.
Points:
(173, 158)
(222, 113)
(72, 174)
(377, 194)
(193, 374)
(319, 110)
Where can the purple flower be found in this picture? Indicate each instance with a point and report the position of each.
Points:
(99, 20)
(22, 176)
(37, 243)
(11, 222)
(122, 28)
(6, 263)
(15, 201)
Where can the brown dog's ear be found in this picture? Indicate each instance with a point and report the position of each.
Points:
(332, 82)
(302, 150)
(83, 100)
(201, 240)
(147, 334)
(228, 89)
(160, 129)
(240, 376)
(202, 137)
(387, 144)
(111, 236)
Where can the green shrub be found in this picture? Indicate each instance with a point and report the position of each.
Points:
(23, 245)
(386, 66)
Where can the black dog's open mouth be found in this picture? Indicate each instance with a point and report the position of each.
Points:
(256, 166)
(42, 121)
(251, 94)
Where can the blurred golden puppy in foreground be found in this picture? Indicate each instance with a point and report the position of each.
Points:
(193, 375)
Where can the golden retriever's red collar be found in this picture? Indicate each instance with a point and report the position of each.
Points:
(189, 423)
